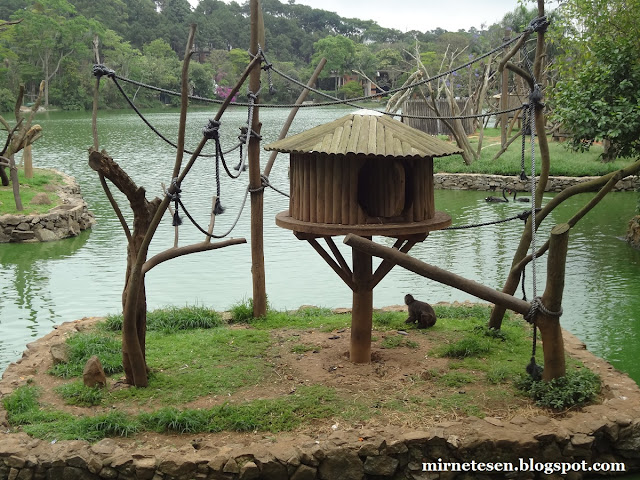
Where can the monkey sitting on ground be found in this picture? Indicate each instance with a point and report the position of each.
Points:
(420, 312)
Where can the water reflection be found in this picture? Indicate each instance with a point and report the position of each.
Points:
(601, 303)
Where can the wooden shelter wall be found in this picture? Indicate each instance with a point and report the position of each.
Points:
(435, 126)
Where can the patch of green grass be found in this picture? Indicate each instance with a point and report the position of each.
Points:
(498, 374)
(242, 312)
(189, 364)
(304, 348)
(76, 393)
(30, 187)
(389, 320)
(171, 319)
(467, 347)
(456, 379)
(576, 388)
(320, 318)
(564, 162)
(459, 403)
(83, 346)
(396, 341)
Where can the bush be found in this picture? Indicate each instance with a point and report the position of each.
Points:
(7, 100)
(576, 388)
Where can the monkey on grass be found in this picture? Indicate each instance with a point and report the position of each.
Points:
(420, 312)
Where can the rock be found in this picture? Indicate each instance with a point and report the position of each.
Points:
(59, 353)
(249, 471)
(380, 465)
(304, 472)
(45, 235)
(345, 465)
(93, 374)
(41, 199)
(22, 235)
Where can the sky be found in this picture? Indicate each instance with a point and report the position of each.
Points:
(421, 15)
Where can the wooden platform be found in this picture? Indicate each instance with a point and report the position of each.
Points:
(395, 230)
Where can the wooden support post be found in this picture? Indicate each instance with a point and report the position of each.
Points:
(362, 312)
(15, 183)
(27, 161)
(255, 182)
(549, 325)
(504, 98)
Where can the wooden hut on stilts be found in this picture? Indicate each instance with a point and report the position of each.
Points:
(368, 175)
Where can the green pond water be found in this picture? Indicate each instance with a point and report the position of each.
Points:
(45, 284)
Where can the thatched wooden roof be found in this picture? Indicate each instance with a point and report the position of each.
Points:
(365, 135)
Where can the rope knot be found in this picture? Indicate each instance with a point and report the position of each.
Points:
(211, 130)
(99, 70)
(243, 134)
(536, 306)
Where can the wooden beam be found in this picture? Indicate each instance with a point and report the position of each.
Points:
(345, 276)
(438, 274)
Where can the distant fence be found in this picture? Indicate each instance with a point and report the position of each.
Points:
(435, 126)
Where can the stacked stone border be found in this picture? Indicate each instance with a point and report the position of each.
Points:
(479, 181)
(65, 220)
(607, 432)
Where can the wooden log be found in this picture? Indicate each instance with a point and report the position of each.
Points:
(549, 325)
(321, 167)
(255, 181)
(313, 189)
(337, 190)
(409, 166)
(346, 191)
(328, 189)
(362, 311)
(293, 185)
(437, 274)
(418, 205)
(306, 191)
(430, 203)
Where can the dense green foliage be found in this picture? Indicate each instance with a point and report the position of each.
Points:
(144, 40)
(597, 96)
(576, 388)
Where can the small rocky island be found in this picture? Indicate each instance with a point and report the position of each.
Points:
(66, 219)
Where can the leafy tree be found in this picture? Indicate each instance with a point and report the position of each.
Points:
(351, 89)
(597, 97)
(50, 31)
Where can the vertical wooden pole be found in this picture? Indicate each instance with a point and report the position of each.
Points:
(550, 330)
(27, 160)
(504, 98)
(362, 311)
(255, 183)
(15, 182)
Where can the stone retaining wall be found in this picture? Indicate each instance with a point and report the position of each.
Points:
(65, 220)
(607, 432)
(477, 181)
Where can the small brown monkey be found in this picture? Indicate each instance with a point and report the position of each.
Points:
(420, 312)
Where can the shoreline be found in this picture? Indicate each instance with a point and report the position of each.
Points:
(606, 432)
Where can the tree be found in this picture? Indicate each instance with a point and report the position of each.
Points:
(351, 89)
(147, 215)
(50, 31)
(340, 53)
(597, 97)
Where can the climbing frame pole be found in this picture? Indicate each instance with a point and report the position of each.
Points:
(362, 310)
(255, 182)
(547, 321)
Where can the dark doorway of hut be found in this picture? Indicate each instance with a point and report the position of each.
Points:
(365, 175)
